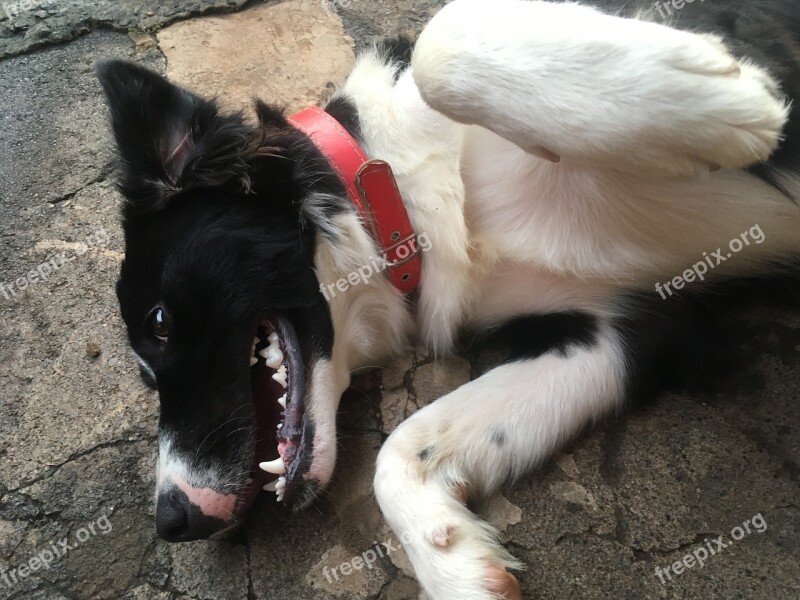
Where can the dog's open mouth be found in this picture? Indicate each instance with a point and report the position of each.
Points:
(278, 385)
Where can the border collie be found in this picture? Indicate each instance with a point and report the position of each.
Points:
(590, 178)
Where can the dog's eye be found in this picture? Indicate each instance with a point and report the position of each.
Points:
(159, 324)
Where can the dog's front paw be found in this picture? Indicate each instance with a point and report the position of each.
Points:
(456, 556)
(453, 574)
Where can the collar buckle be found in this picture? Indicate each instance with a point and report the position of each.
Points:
(373, 190)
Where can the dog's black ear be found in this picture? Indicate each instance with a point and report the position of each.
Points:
(168, 138)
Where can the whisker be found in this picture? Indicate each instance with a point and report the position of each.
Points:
(230, 419)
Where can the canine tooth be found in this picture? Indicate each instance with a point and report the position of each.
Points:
(282, 401)
(253, 361)
(273, 338)
(272, 486)
(276, 467)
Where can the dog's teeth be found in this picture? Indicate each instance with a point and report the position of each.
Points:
(273, 338)
(280, 377)
(253, 359)
(273, 356)
(272, 486)
(276, 467)
(280, 425)
(282, 401)
(280, 488)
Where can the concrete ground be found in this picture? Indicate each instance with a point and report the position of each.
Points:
(77, 429)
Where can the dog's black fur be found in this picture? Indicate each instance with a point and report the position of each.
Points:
(217, 232)
(221, 220)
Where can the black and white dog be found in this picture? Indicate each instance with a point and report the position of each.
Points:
(588, 178)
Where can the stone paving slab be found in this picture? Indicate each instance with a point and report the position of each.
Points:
(77, 427)
(26, 25)
(217, 56)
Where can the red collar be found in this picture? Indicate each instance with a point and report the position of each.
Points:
(373, 190)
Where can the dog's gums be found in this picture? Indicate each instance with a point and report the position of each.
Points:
(278, 382)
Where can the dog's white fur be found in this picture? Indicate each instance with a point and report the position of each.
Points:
(639, 114)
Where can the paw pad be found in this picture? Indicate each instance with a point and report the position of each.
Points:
(443, 537)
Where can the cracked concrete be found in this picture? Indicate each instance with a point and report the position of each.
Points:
(77, 428)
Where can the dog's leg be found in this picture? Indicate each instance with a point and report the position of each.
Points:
(473, 440)
(562, 80)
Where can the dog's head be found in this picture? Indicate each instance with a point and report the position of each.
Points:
(221, 301)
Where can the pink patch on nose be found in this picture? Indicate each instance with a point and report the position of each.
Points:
(211, 503)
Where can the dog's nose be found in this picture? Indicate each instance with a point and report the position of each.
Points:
(172, 517)
(178, 520)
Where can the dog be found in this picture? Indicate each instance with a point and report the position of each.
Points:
(588, 180)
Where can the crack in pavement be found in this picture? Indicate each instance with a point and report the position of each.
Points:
(53, 469)
(105, 173)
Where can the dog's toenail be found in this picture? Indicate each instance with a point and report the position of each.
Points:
(503, 583)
